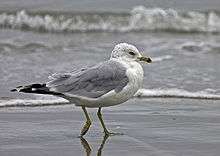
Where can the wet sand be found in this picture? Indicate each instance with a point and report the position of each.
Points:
(154, 127)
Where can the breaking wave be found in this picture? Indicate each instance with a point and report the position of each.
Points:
(139, 19)
(32, 103)
(176, 93)
(142, 93)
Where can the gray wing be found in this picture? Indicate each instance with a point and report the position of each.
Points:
(91, 82)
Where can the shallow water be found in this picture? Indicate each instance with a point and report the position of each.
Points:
(182, 61)
(182, 41)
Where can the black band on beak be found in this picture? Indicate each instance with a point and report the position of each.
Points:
(145, 59)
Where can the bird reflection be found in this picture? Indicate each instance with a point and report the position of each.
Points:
(88, 149)
(86, 146)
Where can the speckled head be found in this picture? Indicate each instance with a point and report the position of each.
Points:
(128, 52)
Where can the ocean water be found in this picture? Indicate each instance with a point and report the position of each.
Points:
(45, 37)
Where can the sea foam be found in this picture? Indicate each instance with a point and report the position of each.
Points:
(139, 18)
(176, 93)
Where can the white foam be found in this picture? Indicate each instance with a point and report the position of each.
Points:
(139, 19)
(28, 102)
(176, 93)
(162, 58)
(170, 19)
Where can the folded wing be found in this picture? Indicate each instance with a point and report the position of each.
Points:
(91, 82)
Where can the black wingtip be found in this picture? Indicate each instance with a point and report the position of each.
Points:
(13, 90)
(16, 89)
(35, 88)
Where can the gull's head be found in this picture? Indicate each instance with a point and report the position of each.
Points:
(128, 52)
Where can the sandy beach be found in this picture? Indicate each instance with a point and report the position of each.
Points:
(154, 127)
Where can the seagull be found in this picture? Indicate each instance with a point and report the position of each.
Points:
(109, 83)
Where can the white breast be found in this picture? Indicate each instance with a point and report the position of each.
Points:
(135, 75)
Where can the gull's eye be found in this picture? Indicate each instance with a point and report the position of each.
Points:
(131, 53)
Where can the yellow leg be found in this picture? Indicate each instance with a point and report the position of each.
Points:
(107, 133)
(87, 124)
(102, 122)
